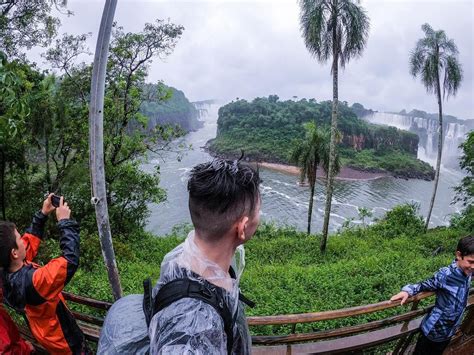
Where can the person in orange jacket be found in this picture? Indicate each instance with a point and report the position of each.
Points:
(10, 341)
(37, 289)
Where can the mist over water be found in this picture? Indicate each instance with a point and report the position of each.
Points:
(285, 202)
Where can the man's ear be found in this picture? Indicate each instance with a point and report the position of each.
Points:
(458, 255)
(241, 225)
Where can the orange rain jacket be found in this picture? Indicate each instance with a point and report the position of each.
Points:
(37, 289)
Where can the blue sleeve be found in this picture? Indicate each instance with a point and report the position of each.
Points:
(437, 282)
(37, 225)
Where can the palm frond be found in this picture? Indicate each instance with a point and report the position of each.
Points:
(355, 25)
(313, 18)
(308, 154)
(433, 54)
(429, 32)
(452, 76)
(429, 73)
(349, 21)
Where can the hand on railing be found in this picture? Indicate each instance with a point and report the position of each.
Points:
(403, 296)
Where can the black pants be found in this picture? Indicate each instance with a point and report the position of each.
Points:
(424, 346)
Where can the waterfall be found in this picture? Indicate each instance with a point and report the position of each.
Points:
(454, 134)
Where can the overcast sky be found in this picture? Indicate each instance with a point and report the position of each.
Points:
(247, 49)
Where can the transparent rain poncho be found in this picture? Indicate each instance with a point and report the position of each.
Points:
(124, 330)
(191, 326)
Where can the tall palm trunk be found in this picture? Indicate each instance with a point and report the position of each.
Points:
(310, 208)
(48, 170)
(440, 149)
(332, 144)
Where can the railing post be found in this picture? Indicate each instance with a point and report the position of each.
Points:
(404, 342)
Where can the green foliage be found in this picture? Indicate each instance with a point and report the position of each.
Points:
(44, 129)
(398, 163)
(19, 84)
(465, 191)
(364, 213)
(24, 24)
(256, 126)
(402, 220)
(464, 220)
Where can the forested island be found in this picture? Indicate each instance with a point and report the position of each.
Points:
(267, 129)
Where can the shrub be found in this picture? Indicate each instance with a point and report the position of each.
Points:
(401, 220)
(464, 220)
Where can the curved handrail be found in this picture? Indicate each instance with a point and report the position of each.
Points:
(285, 318)
(104, 305)
(329, 315)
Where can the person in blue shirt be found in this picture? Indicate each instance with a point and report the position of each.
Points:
(451, 285)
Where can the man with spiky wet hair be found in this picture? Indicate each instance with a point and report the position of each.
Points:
(224, 202)
(451, 285)
(208, 316)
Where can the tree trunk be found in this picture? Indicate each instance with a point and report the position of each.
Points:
(96, 144)
(48, 170)
(2, 183)
(310, 208)
(440, 149)
(332, 144)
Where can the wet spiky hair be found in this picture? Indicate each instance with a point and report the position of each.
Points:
(221, 192)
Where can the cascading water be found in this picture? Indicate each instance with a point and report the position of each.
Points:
(427, 130)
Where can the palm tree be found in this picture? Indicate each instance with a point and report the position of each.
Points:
(336, 29)
(308, 155)
(435, 58)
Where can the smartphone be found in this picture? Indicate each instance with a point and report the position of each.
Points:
(55, 200)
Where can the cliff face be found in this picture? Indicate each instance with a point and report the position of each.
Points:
(357, 142)
(171, 108)
(425, 126)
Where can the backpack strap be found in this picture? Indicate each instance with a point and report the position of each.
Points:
(242, 297)
(204, 291)
(147, 301)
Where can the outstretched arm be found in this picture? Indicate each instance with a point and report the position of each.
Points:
(434, 283)
(50, 279)
(35, 232)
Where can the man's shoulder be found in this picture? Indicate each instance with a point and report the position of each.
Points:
(17, 278)
(16, 285)
(189, 307)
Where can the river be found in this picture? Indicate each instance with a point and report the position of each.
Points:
(285, 202)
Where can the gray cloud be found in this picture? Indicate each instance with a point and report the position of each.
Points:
(254, 48)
